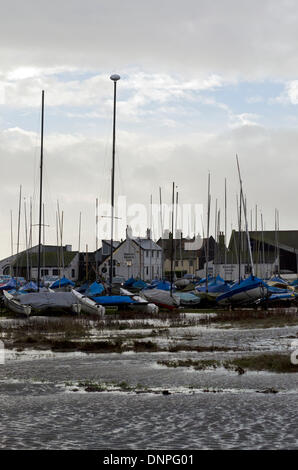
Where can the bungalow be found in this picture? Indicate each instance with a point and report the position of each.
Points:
(55, 261)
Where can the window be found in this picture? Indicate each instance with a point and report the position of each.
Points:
(152, 253)
(190, 262)
(147, 270)
(55, 272)
(44, 272)
(147, 253)
(73, 273)
(157, 254)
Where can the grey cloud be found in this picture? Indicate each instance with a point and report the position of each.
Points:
(252, 39)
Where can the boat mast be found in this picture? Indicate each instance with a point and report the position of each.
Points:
(239, 238)
(225, 239)
(161, 227)
(175, 230)
(11, 242)
(215, 246)
(26, 241)
(114, 78)
(96, 241)
(79, 243)
(18, 239)
(172, 241)
(208, 225)
(245, 218)
(40, 188)
(263, 248)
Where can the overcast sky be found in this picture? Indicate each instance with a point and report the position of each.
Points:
(200, 82)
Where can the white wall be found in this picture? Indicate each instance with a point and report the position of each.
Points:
(131, 261)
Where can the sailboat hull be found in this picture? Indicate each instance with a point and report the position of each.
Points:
(243, 293)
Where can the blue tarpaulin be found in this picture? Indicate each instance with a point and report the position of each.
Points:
(63, 282)
(129, 282)
(252, 282)
(162, 285)
(29, 287)
(217, 284)
(113, 300)
(139, 284)
(82, 289)
(11, 284)
(94, 289)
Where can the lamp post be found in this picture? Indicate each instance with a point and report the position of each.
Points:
(114, 78)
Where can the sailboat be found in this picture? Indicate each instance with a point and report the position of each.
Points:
(14, 305)
(253, 288)
(43, 299)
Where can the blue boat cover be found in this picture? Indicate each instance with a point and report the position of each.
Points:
(139, 284)
(202, 281)
(188, 297)
(276, 290)
(162, 285)
(129, 282)
(283, 296)
(113, 300)
(251, 282)
(82, 289)
(63, 282)
(11, 284)
(294, 283)
(29, 287)
(278, 279)
(94, 289)
(217, 284)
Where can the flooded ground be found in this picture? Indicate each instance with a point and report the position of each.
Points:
(146, 405)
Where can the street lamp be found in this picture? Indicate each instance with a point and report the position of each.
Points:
(115, 77)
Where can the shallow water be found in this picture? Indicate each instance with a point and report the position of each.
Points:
(39, 410)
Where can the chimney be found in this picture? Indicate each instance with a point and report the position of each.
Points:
(128, 232)
(148, 233)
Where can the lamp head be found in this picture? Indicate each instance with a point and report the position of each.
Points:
(115, 77)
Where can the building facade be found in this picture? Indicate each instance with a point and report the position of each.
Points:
(136, 257)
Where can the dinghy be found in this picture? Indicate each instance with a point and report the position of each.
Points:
(55, 302)
(14, 305)
(162, 298)
(244, 292)
(140, 303)
(88, 305)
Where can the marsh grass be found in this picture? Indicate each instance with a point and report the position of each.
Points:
(278, 363)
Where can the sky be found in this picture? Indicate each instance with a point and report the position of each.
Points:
(200, 82)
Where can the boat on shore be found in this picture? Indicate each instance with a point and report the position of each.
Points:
(14, 305)
(162, 298)
(244, 292)
(53, 302)
(140, 303)
(88, 305)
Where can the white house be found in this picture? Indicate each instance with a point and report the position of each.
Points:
(136, 257)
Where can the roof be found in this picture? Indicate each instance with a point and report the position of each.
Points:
(179, 244)
(284, 239)
(108, 242)
(146, 243)
(47, 259)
